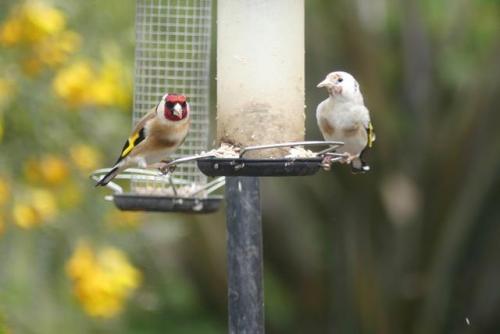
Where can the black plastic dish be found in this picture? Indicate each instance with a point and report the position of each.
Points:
(134, 202)
(259, 167)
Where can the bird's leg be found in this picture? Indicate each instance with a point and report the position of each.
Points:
(166, 168)
(172, 185)
(350, 157)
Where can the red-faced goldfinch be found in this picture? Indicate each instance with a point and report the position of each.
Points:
(155, 136)
(344, 117)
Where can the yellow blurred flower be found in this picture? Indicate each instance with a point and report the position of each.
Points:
(38, 207)
(82, 261)
(50, 169)
(124, 219)
(41, 20)
(31, 22)
(44, 202)
(52, 51)
(25, 216)
(85, 157)
(4, 191)
(80, 84)
(40, 30)
(11, 32)
(72, 83)
(54, 170)
(55, 50)
(112, 85)
(102, 281)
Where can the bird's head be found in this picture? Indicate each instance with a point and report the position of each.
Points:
(341, 84)
(173, 107)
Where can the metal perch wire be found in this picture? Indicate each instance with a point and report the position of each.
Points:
(179, 196)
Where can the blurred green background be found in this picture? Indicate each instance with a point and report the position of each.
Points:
(411, 247)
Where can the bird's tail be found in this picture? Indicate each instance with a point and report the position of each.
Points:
(109, 176)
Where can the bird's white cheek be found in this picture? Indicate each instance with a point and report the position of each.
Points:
(337, 90)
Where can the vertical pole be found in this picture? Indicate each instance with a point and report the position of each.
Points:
(244, 256)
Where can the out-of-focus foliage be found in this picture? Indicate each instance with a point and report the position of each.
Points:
(409, 248)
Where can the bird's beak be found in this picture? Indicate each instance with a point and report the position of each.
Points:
(178, 110)
(324, 83)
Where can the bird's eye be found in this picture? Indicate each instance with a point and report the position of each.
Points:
(169, 104)
(183, 104)
(340, 80)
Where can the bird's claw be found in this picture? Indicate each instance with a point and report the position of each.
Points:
(348, 158)
(166, 167)
(328, 160)
(326, 163)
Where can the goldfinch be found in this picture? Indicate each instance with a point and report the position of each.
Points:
(344, 117)
(155, 136)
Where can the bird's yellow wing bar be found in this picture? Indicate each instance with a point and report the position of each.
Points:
(131, 142)
(371, 135)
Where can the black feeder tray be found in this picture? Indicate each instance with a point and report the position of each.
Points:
(259, 167)
(214, 166)
(193, 204)
(134, 202)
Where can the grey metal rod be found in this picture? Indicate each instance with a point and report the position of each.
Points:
(244, 256)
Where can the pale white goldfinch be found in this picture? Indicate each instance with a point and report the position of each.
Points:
(344, 117)
(155, 136)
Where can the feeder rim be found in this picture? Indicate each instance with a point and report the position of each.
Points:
(333, 146)
(133, 173)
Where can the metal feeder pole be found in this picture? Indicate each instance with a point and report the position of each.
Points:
(244, 256)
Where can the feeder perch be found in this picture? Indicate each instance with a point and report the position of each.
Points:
(172, 56)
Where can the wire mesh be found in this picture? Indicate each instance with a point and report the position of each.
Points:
(173, 55)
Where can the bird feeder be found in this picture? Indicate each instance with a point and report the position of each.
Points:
(260, 117)
(260, 91)
(172, 55)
